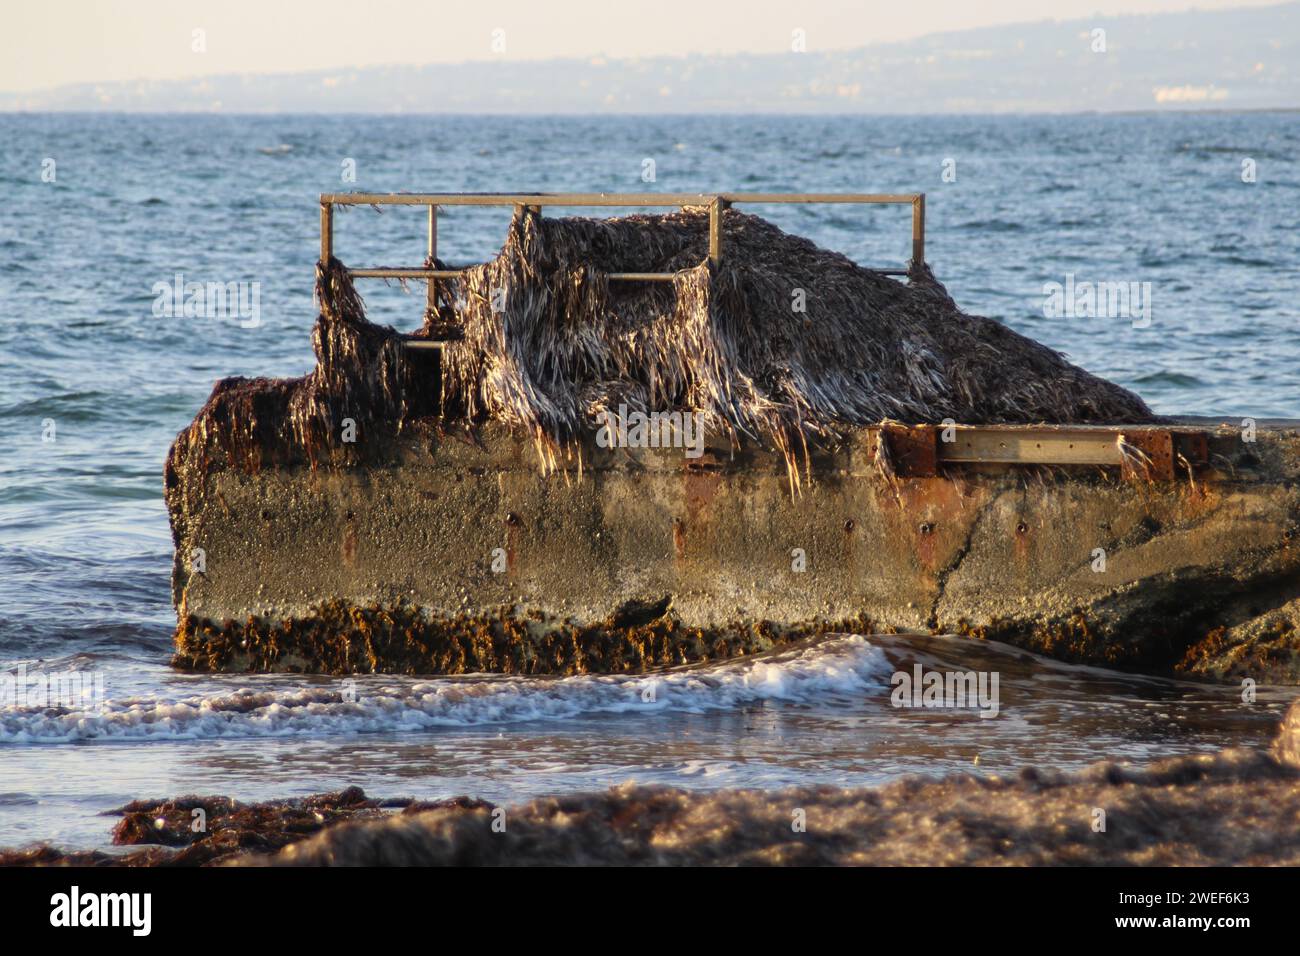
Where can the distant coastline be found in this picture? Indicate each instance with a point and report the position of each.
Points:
(1140, 63)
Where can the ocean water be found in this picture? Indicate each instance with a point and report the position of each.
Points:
(94, 386)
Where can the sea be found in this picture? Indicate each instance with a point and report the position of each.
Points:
(1196, 215)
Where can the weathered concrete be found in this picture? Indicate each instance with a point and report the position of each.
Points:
(648, 558)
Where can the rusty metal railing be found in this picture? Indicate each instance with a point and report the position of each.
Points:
(716, 203)
(919, 451)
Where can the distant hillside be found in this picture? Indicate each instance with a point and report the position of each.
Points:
(1233, 59)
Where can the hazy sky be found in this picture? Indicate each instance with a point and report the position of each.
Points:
(48, 43)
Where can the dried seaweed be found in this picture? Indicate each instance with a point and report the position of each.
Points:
(363, 375)
(541, 339)
(549, 340)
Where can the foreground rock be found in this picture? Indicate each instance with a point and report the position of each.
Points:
(1235, 808)
(1231, 809)
(201, 831)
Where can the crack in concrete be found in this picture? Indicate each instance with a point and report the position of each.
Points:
(933, 620)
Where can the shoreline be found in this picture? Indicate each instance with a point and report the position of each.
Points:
(1233, 808)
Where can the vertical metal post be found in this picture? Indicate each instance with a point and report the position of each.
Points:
(431, 303)
(715, 232)
(918, 230)
(326, 232)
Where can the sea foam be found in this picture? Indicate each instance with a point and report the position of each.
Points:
(844, 666)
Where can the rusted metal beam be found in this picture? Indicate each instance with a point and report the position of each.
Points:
(913, 450)
(1030, 446)
(1156, 455)
(1140, 452)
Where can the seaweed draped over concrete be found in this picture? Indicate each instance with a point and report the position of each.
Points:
(781, 345)
(363, 375)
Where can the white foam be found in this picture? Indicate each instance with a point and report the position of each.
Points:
(844, 665)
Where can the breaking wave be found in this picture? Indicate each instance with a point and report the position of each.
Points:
(843, 666)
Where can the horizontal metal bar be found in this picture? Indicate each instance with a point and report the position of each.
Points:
(819, 198)
(424, 344)
(387, 273)
(716, 202)
(1153, 452)
(398, 273)
(1045, 446)
(603, 199)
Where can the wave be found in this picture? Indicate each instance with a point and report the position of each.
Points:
(991, 225)
(836, 666)
(1164, 377)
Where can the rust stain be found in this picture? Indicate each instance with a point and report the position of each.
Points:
(700, 489)
(349, 544)
(514, 525)
(926, 544)
(937, 518)
(1021, 534)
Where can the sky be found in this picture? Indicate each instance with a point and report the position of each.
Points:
(48, 44)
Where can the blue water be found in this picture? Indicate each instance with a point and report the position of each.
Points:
(84, 546)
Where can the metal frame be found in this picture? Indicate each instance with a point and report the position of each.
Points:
(917, 451)
(716, 203)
